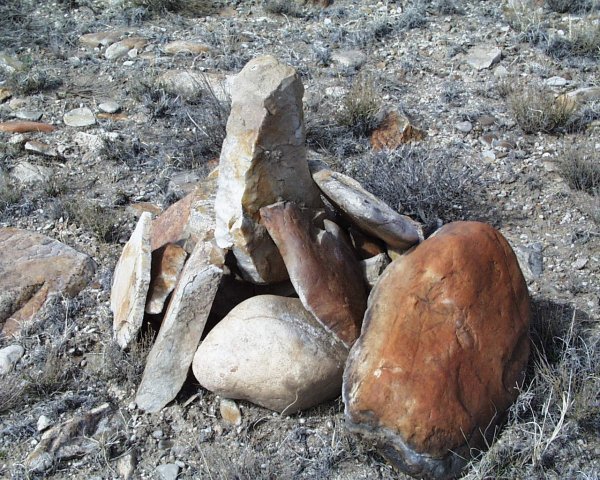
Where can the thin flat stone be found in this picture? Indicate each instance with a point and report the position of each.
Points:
(131, 281)
(169, 360)
(109, 107)
(263, 160)
(367, 211)
(483, 57)
(25, 127)
(79, 117)
(322, 267)
(185, 46)
(28, 115)
(167, 263)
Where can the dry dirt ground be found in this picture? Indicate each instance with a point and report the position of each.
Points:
(496, 150)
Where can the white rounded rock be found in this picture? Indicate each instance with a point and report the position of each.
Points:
(270, 351)
(9, 356)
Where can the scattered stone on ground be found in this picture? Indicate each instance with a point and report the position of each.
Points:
(394, 130)
(28, 115)
(9, 356)
(41, 148)
(73, 438)
(443, 351)
(167, 471)
(185, 46)
(301, 368)
(483, 56)
(230, 412)
(25, 127)
(266, 111)
(105, 39)
(131, 281)
(349, 59)
(123, 47)
(79, 117)
(33, 268)
(109, 107)
(29, 173)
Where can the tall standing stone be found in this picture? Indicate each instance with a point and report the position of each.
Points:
(442, 352)
(263, 161)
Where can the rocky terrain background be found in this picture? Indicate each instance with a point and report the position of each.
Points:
(507, 94)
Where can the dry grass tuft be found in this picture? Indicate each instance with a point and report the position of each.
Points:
(97, 219)
(360, 107)
(536, 110)
(579, 164)
(570, 6)
(558, 402)
(431, 186)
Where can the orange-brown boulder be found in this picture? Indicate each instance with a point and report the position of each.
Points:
(322, 267)
(442, 353)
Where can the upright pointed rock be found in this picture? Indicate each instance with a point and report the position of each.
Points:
(169, 360)
(130, 283)
(322, 267)
(263, 161)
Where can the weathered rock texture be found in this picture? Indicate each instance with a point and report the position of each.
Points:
(32, 268)
(263, 161)
(367, 211)
(443, 348)
(190, 220)
(394, 130)
(169, 360)
(271, 351)
(79, 436)
(131, 280)
(322, 266)
(167, 263)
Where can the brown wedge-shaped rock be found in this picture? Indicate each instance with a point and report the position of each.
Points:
(130, 283)
(263, 161)
(169, 360)
(442, 352)
(367, 211)
(270, 351)
(34, 267)
(190, 220)
(167, 263)
(322, 267)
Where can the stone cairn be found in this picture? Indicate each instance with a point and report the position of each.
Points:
(263, 289)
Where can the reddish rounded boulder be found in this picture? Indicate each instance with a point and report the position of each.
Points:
(443, 349)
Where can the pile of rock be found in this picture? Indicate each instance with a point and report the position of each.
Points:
(260, 279)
